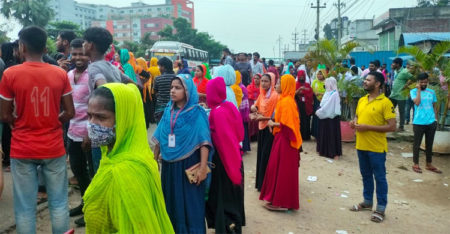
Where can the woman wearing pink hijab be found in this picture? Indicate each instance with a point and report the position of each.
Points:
(225, 206)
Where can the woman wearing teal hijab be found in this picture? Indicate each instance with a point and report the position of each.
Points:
(125, 195)
(127, 68)
(183, 139)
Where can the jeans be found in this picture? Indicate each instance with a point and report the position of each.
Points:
(372, 164)
(409, 104)
(25, 187)
(401, 110)
(79, 164)
(419, 131)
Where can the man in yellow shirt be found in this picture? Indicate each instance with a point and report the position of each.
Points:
(375, 116)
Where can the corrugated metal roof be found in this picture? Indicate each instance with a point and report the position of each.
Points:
(413, 38)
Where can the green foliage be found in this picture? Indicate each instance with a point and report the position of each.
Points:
(51, 46)
(140, 48)
(28, 12)
(3, 37)
(186, 34)
(432, 3)
(55, 27)
(352, 89)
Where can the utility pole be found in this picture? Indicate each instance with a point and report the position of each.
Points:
(304, 36)
(338, 5)
(295, 39)
(318, 6)
(279, 46)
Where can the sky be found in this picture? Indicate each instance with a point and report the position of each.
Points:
(256, 25)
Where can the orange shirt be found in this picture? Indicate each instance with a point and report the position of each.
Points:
(36, 89)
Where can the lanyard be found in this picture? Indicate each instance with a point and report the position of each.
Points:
(172, 124)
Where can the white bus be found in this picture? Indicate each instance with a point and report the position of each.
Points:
(175, 50)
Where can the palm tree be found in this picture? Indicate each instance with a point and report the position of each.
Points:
(28, 12)
(428, 63)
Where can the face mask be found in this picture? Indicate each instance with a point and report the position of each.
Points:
(100, 135)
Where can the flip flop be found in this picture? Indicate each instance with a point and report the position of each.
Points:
(434, 169)
(274, 208)
(377, 216)
(417, 169)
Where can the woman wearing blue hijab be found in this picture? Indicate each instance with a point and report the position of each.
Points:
(182, 140)
(229, 76)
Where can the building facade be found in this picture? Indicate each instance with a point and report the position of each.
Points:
(361, 31)
(125, 23)
(410, 20)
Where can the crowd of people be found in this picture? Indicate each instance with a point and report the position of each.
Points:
(95, 103)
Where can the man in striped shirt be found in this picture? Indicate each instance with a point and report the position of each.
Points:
(162, 86)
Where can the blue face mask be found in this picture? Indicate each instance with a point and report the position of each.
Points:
(100, 135)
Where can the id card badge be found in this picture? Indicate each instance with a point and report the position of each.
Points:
(171, 140)
(303, 99)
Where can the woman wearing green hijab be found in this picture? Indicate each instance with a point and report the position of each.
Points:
(125, 195)
(127, 68)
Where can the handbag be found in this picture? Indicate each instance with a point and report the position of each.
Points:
(191, 172)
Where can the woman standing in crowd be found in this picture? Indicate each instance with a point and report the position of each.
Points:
(154, 72)
(145, 80)
(318, 87)
(280, 187)
(183, 139)
(225, 206)
(237, 89)
(304, 100)
(125, 195)
(125, 61)
(253, 93)
(244, 109)
(264, 107)
(329, 140)
(200, 82)
(229, 76)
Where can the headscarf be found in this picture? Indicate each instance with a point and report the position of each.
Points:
(191, 128)
(185, 69)
(288, 68)
(307, 93)
(208, 73)
(142, 65)
(110, 56)
(201, 86)
(229, 76)
(317, 85)
(125, 196)
(302, 67)
(127, 68)
(286, 112)
(227, 130)
(330, 106)
(267, 101)
(236, 89)
(253, 90)
(132, 61)
(154, 72)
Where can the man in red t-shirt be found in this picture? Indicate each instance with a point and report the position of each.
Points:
(31, 97)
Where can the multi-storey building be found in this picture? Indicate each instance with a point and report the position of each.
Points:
(125, 23)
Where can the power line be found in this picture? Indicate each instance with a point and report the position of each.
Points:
(295, 42)
(318, 7)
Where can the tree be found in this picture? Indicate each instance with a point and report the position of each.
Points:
(54, 28)
(28, 12)
(431, 3)
(328, 32)
(186, 34)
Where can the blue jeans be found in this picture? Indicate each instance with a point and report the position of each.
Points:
(372, 165)
(25, 185)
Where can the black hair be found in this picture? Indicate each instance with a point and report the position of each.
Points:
(263, 59)
(201, 68)
(398, 61)
(8, 54)
(47, 59)
(107, 95)
(377, 62)
(373, 62)
(167, 64)
(101, 38)
(68, 35)
(354, 70)
(35, 39)
(249, 54)
(226, 50)
(271, 62)
(77, 43)
(256, 54)
(352, 61)
(422, 76)
(378, 77)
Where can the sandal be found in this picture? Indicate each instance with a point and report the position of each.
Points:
(274, 208)
(42, 197)
(434, 169)
(360, 207)
(417, 169)
(377, 217)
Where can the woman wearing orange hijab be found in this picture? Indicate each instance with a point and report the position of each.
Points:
(280, 186)
(264, 109)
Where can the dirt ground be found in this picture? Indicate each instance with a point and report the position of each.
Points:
(414, 207)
